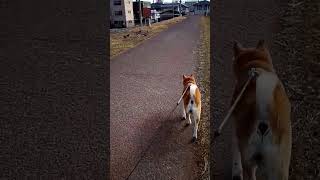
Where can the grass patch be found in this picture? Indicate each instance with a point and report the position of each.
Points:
(125, 39)
(298, 43)
(203, 80)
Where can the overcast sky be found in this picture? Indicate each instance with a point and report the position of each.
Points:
(166, 1)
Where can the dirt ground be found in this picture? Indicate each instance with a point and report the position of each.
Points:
(124, 39)
(203, 80)
(298, 43)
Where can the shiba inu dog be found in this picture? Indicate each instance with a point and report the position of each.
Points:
(262, 138)
(191, 103)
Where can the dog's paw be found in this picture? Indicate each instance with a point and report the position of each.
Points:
(194, 139)
(189, 121)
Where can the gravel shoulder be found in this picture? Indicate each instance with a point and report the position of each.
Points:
(298, 45)
(203, 81)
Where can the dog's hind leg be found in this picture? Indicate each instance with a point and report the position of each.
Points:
(250, 172)
(185, 115)
(196, 120)
(236, 166)
(189, 119)
(277, 167)
(236, 160)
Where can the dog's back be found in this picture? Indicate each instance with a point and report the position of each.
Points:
(262, 117)
(192, 99)
(191, 103)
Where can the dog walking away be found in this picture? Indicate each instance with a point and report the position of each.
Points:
(191, 103)
(262, 136)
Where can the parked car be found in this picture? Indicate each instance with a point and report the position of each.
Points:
(155, 16)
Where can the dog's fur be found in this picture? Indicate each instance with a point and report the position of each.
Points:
(262, 137)
(191, 103)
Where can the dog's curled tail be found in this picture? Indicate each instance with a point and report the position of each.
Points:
(194, 97)
(265, 86)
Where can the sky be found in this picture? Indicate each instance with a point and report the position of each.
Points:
(169, 1)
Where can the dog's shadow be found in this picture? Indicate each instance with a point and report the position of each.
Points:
(172, 136)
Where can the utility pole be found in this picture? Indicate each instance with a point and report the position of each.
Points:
(140, 13)
(172, 8)
(180, 8)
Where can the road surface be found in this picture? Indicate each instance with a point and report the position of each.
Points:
(146, 82)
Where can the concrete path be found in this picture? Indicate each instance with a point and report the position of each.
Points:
(146, 83)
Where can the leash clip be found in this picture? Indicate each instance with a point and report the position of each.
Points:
(253, 72)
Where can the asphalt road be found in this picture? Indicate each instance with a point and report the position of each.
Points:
(54, 94)
(146, 82)
(247, 22)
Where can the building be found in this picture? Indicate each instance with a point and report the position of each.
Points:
(163, 7)
(190, 4)
(202, 8)
(121, 13)
(146, 11)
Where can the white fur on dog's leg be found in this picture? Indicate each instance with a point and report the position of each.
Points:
(189, 119)
(195, 127)
(184, 116)
(236, 160)
(274, 168)
(236, 164)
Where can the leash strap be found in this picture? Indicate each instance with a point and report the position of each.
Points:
(153, 138)
(252, 73)
(183, 94)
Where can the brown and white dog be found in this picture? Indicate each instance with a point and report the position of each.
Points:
(191, 103)
(262, 137)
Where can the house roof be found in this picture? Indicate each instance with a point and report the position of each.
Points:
(145, 3)
(188, 3)
(166, 5)
(202, 3)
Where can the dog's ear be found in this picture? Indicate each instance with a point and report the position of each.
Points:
(237, 48)
(191, 75)
(261, 44)
(184, 76)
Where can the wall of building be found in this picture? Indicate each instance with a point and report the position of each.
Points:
(190, 5)
(129, 12)
(126, 18)
(202, 10)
